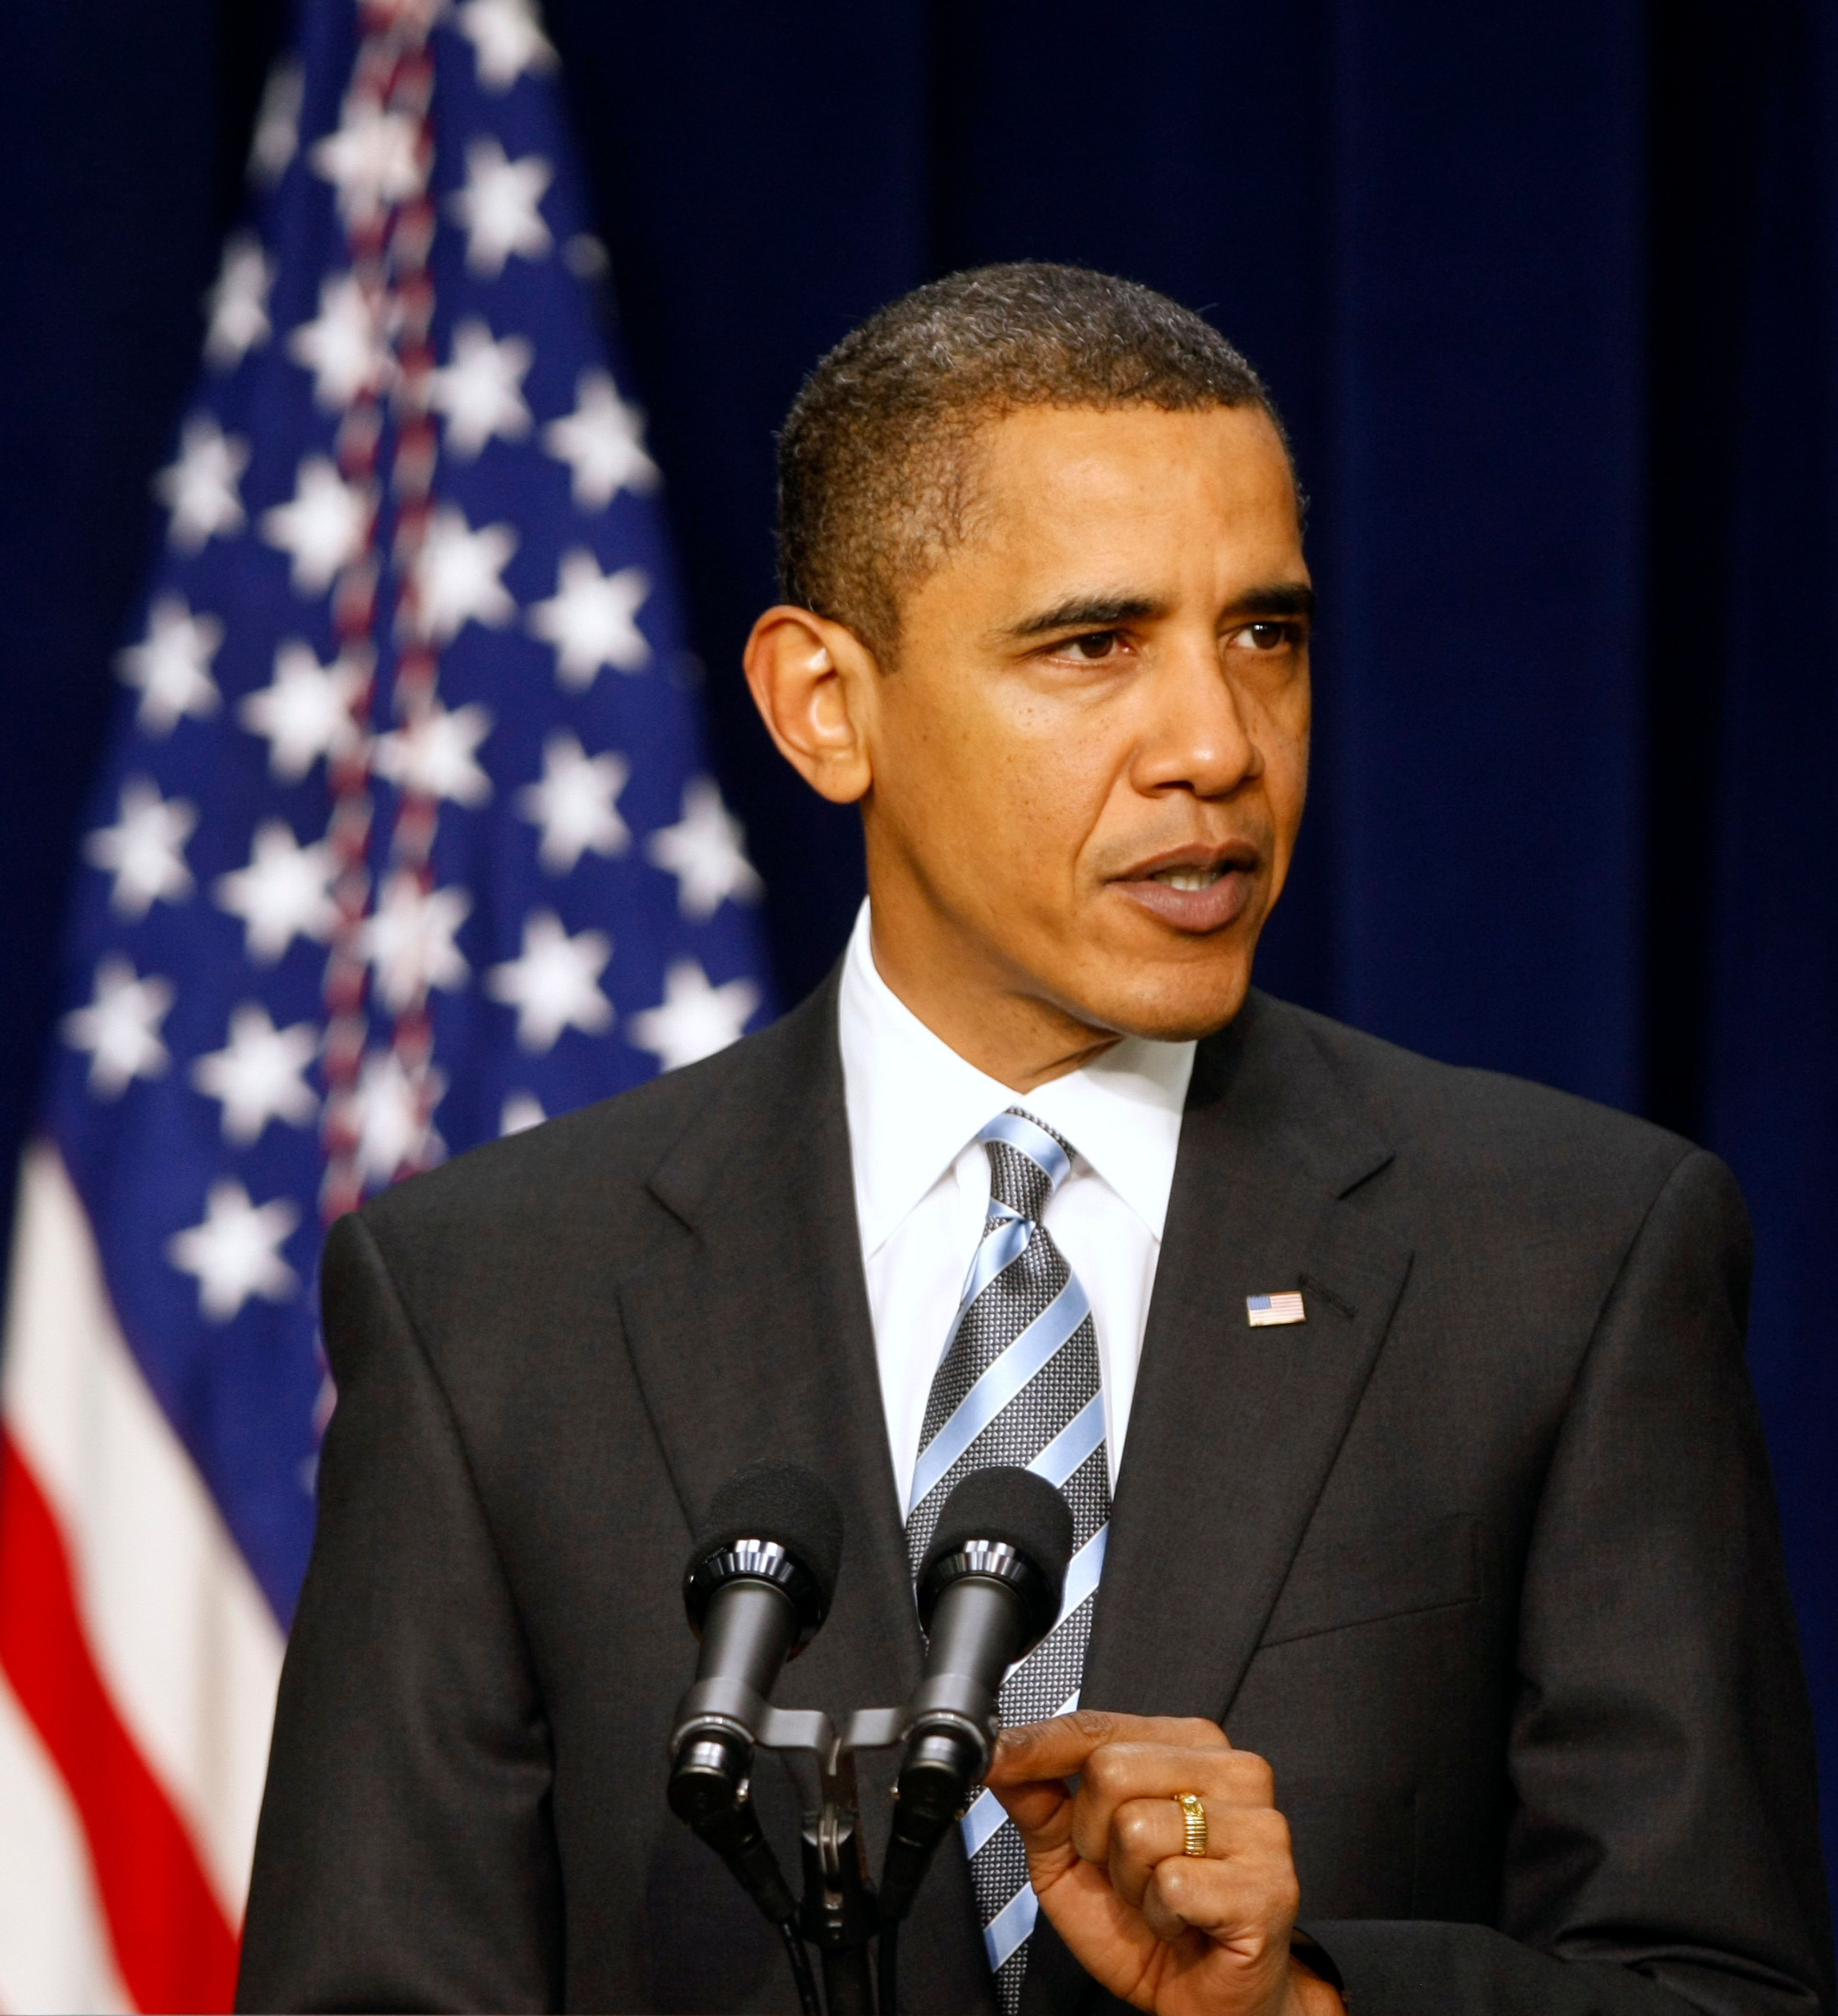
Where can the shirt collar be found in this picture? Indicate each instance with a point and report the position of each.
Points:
(913, 1103)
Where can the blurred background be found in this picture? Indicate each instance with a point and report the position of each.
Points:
(1548, 295)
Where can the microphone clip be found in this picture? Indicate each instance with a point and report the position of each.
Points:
(841, 1913)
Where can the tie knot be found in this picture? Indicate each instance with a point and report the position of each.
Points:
(1028, 1161)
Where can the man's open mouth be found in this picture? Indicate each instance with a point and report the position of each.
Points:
(1205, 892)
(1189, 878)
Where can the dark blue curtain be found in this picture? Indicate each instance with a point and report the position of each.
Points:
(1549, 295)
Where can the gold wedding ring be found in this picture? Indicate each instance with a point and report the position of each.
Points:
(1193, 1816)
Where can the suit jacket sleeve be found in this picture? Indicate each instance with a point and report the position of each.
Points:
(404, 1858)
(1664, 1850)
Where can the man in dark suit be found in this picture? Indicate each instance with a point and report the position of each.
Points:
(1427, 1580)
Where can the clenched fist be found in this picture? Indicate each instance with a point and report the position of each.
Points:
(1180, 1935)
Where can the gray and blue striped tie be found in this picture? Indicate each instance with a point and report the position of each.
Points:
(1018, 1383)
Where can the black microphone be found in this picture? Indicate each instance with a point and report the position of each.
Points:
(757, 1588)
(990, 1591)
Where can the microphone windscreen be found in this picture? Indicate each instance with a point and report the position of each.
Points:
(1005, 1502)
(783, 1501)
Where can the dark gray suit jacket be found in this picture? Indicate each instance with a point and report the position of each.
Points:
(1482, 1557)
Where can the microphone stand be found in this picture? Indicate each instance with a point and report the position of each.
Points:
(839, 1914)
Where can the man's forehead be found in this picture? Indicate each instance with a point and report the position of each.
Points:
(1089, 441)
(1043, 478)
(1130, 511)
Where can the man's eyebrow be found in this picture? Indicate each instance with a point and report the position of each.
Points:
(1110, 612)
(1091, 612)
(1275, 598)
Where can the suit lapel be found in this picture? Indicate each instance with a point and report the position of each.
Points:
(1233, 1430)
(750, 1333)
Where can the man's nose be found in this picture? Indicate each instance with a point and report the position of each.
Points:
(1195, 736)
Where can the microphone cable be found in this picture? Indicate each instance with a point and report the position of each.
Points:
(799, 1956)
(887, 1968)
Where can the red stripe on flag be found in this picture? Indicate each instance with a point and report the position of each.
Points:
(173, 1945)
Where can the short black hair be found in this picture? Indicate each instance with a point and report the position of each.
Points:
(875, 477)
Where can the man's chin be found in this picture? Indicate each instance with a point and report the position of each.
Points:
(1170, 984)
(1179, 1006)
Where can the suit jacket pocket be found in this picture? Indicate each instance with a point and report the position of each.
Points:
(1337, 1583)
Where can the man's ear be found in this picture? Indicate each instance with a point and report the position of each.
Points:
(814, 683)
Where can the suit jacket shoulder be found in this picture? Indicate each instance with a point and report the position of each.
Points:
(563, 1211)
(604, 1155)
(1523, 1159)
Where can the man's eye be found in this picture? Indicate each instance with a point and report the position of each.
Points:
(1094, 644)
(1272, 636)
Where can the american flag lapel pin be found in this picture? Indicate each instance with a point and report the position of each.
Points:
(1261, 1311)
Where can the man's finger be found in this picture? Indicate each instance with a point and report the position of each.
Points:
(1041, 1807)
(1145, 1832)
(1059, 1748)
(1250, 1907)
(1117, 1773)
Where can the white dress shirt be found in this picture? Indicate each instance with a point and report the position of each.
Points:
(922, 1188)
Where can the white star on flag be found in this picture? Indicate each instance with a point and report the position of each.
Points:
(323, 528)
(553, 985)
(276, 138)
(409, 940)
(435, 754)
(508, 40)
(391, 1116)
(520, 1111)
(456, 575)
(590, 620)
(602, 441)
(170, 668)
(199, 488)
(373, 160)
(694, 1020)
(575, 802)
(235, 1252)
(237, 302)
(480, 389)
(259, 1075)
(500, 208)
(284, 893)
(145, 849)
(705, 853)
(306, 713)
(343, 346)
(121, 1027)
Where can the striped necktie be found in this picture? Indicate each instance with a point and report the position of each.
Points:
(1018, 1383)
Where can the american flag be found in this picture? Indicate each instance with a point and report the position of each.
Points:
(406, 838)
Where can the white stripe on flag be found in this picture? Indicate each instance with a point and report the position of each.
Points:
(55, 1953)
(183, 1638)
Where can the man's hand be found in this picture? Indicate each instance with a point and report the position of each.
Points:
(1180, 1935)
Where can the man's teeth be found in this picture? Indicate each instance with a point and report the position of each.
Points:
(1188, 878)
